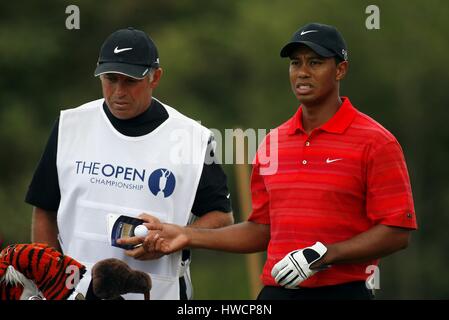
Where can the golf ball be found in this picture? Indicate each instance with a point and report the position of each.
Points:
(140, 231)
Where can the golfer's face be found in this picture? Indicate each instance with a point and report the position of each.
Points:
(126, 97)
(312, 77)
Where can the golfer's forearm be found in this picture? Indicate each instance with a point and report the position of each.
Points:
(375, 243)
(44, 228)
(245, 237)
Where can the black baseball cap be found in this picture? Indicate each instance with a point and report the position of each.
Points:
(325, 40)
(128, 51)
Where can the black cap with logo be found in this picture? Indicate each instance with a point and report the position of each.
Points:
(325, 40)
(128, 51)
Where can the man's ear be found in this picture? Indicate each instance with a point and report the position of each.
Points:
(342, 69)
(157, 74)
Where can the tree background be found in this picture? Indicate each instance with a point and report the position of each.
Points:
(222, 66)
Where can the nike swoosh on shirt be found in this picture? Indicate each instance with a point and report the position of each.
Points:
(117, 50)
(332, 160)
(304, 32)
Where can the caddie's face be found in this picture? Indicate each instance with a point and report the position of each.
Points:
(314, 78)
(127, 97)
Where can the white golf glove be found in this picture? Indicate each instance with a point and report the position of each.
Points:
(294, 268)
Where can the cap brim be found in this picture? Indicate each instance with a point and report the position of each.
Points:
(291, 46)
(130, 70)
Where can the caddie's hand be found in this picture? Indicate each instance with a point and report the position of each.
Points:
(294, 268)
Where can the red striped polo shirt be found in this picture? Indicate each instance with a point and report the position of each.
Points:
(345, 177)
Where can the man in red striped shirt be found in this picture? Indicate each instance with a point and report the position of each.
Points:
(339, 196)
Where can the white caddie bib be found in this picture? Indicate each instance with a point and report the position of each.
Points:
(103, 172)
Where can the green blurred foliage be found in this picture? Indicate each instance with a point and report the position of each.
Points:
(221, 66)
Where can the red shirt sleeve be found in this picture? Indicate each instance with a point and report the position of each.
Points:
(389, 198)
(259, 195)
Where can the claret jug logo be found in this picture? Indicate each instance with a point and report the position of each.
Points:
(162, 183)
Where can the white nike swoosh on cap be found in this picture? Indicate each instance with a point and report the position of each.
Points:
(304, 32)
(117, 50)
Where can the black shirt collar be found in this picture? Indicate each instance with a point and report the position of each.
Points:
(141, 125)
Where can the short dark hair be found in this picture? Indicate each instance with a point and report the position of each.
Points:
(338, 60)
